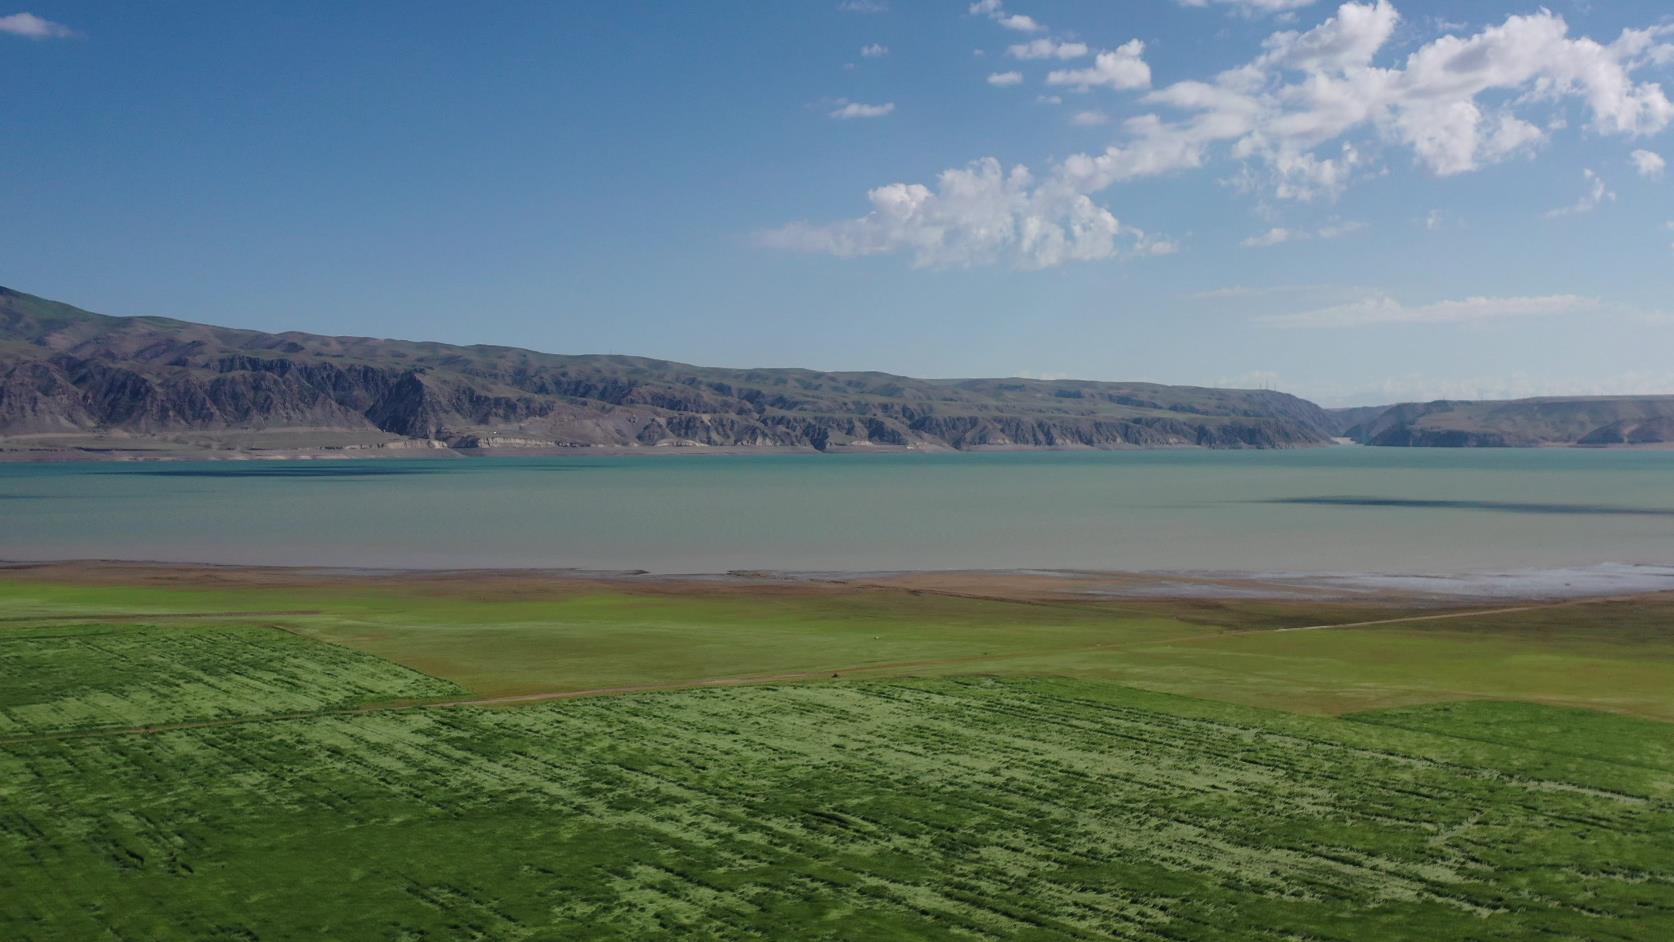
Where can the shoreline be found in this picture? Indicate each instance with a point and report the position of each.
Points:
(119, 456)
(67, 456)
(1062, 585)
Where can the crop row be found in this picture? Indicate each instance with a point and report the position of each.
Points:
(978, 810)
(88, 676)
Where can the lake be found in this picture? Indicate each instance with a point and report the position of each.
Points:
(1330, 509)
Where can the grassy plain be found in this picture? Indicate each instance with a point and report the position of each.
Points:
(505, 635)
(192, 754)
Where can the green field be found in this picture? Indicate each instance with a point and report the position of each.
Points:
(202, 761)
(88, 677)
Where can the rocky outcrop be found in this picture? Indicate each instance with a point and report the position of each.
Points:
(37, 397)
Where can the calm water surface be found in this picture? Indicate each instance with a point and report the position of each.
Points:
(1347, 508)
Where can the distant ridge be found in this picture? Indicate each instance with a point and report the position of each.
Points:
(74, 382)
(1596, 421)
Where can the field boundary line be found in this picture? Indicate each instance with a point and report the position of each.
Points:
(1396, 621)
(1480, 613)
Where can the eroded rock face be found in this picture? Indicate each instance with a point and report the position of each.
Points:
(65, 370)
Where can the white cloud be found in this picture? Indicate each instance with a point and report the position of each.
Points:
(1303, 176)
(1649, 164)
(1120, 68)
(1280, 235)
(1310, 88)
(976, 215)
(854, 109)
(1047, 49)
(1277, 235)
(1595, 194)
(863, 6)
(995, 11)
(874, 51)
(1050, 99)
(1308, 115)
(1088, 119)
(1338, 230)
(1148, 245)
(1005, 78)
(1342, 43)
(31, 26)
(1383, 309)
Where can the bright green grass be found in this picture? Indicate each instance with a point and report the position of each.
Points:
(1000, 807)
(977, 809)
(562, 640)
(1553, 732)
(1609, 656)
(1347, 670)
(70, 677)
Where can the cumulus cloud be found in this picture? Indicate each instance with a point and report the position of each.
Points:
(1309, 89)
(30, 26)
(1649, 163)
(1596, 193)
(1047, 49)
(1121, 68)
(1088, 119)
(996, 11)
(1315, 110)
(975, 215)
(863, 6)
(874, 51)
(1383, 309)
(847, 110)
(1005, 78)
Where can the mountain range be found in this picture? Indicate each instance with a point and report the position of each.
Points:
(76, 383)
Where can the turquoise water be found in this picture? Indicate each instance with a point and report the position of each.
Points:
(1331, 509)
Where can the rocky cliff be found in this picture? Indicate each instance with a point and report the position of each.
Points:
(85, 380)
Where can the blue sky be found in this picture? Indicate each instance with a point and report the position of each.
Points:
(1382, 201)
